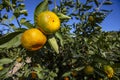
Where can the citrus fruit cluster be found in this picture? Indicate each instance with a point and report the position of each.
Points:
(47, 22)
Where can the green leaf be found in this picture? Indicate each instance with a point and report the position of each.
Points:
(20, 29)
(66, 74)
(59, 36)
(8, 37)
(12, 26)
(21, 6)
(107, 3)
(3, 72)
(99, 59)
(79, 68)
(40, 75)
(22, 20)
(1, 6)
(12, 18)
(14, 42)
(5, 16)
(99, 72)
(43, 6)
(53, 74)
(53, 43)
(27, 24)
(5, 61)
(24, 12)
(62, 16)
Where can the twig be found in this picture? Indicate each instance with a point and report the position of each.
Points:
(55, 4)
(15, 16)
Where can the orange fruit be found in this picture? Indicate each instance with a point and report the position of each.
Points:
(19, 59)
(88, 70)
(33, 75)
(48, 22)
(33, 39)
(74, 73)
(66, 78)
(109, 71)
(91, 18)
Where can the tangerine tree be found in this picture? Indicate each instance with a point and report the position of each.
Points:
(65, 42)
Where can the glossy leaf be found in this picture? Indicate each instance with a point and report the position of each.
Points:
(5, 61)
(62, 16)
(53, 43)
(8, 37)
(59, 36)
(14, 42)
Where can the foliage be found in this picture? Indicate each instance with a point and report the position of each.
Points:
(79, 42)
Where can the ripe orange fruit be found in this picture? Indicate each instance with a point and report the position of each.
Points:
(109, 71)
(33, 39)
(48, 22)
(88, 70)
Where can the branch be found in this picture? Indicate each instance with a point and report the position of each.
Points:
(15, 16)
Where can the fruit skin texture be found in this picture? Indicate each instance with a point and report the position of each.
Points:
(88, 70)
(48, 22)
(109, 71)
(33, 39)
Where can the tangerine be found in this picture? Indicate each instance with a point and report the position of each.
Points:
(48, 22)
(33, 39)
(109, 71)
(88, 70)
(66, 78)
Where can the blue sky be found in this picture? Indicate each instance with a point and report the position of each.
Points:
(111, 22)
